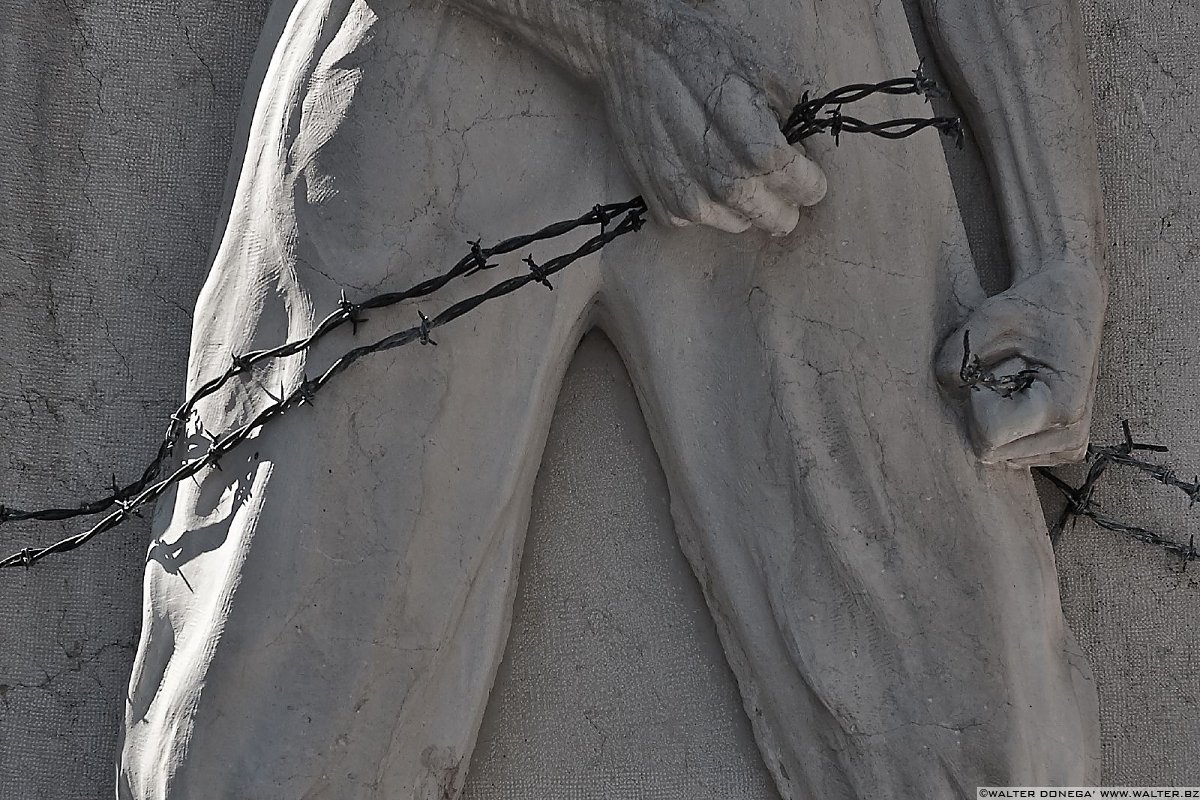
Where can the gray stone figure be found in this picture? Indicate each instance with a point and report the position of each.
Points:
(324, 616)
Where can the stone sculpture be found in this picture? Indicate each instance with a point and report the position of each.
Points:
(324, 616)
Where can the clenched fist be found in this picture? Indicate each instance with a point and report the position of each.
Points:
(1049, 322)
(692, 120)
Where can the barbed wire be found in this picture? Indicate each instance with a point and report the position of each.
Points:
(804, 120)
(477, 259)
(976, 378)
(613, 220)
(1081, 499)
(632, 220)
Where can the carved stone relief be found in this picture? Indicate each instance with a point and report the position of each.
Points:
(333, 611)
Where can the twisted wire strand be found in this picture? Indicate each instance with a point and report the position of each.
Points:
(632, 220)
(347, 312)
(976, 378)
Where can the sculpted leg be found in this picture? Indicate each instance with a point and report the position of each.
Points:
(889, 605)
(324, 616)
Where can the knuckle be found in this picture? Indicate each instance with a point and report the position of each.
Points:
(768, 153)
(724, 186)
(745, 194)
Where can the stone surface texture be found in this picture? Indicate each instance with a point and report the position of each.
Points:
(324, 616)
(120, 164)
(116, 135)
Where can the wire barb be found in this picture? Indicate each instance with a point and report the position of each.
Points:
(636, 219)
(538, 273)
(602, 216)
(424, 337)
(479, 257)
(307, 391)
(350, 312)
(924, 85)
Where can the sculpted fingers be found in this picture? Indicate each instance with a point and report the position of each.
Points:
(717, 216)
(1022, 328)
(715, 159)
(756, 140)
(1039, 426)
(702, 102)
(754, 200)
(693, 204)
(997, 420)
(760, 191)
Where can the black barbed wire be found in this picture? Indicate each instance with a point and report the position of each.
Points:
(804, 120)
(305, 393)
(347, 312)
(613, 220)
(1081, 499)
(976, 378)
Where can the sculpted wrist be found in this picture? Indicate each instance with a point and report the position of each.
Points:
(615, 31)
(1069, 282)
(581, 35)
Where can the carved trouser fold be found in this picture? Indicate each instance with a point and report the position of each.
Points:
(325, 615)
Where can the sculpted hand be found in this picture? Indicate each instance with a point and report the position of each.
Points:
(1050, 322)
(695, 128)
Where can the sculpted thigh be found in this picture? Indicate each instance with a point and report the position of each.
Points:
(319, 549)
(433, 129)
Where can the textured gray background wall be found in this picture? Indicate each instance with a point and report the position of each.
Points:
(1135, 612)
(613, 683)
(116, 127)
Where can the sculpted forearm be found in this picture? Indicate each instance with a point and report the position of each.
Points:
(1018, 69)
(575, 33)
